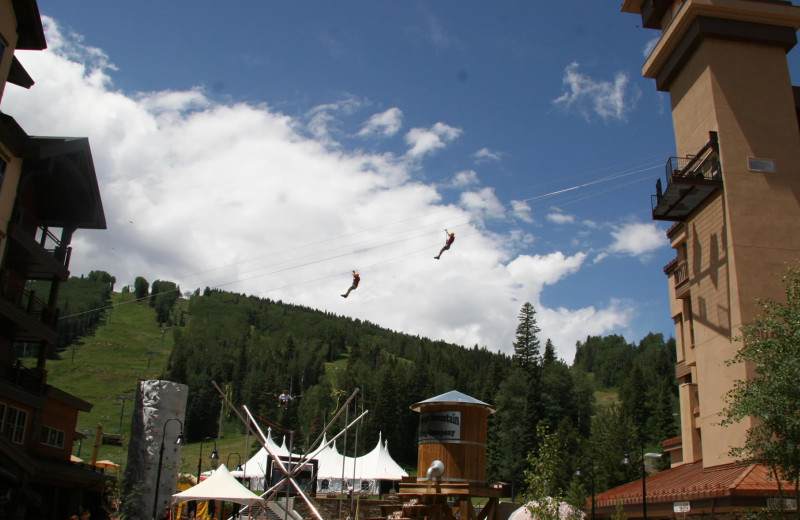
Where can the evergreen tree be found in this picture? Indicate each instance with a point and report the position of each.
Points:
(549, 353)
(526, 346)
(141, 287)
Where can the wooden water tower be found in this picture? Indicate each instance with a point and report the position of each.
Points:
(451, 460)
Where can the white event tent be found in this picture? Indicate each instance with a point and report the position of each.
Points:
(221, 485)
(335, 472)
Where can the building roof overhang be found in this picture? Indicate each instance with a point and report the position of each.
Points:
(18, 75)
(692, 481)
(765, 22)
(29, 25)
(60, 173)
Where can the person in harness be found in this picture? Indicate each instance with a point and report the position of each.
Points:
(356, 279)
(451, 237)
(284, 398)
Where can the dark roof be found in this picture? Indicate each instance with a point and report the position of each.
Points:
(694, 482)
(29, 25)
(60, 174)
(453, 397)
(18, 75)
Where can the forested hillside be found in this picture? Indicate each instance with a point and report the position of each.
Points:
(256, 348)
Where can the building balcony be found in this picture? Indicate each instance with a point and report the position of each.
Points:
(35, 253)
(690, 181)
(24, 317)
(31, 380)
(678, 270)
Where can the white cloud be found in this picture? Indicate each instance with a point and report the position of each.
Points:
(650, 45)
(322, 119)
(521, 210)
(589, 97)
(464, 178)
(560, 218)
(385, 124)
(220, 195)
(486, 154)
(425, 140)
(434, 32)
(482, 204)
(636, 239)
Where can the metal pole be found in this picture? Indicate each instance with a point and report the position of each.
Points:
(344, 458)
(200, 461)
(161, 460)
(644, 488)
(593, 499)
(158, 476)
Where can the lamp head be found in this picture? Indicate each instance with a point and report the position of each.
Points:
(180, 441)
(626, 461)
(214, 455)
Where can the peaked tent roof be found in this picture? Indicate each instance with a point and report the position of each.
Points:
(375, 465)
(219, 486)
(257, 465)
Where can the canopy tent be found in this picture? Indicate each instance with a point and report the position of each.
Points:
(337, 472)
(257, 467)
(221, 485)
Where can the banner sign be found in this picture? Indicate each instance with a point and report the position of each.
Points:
(439, 426)
(681, 507)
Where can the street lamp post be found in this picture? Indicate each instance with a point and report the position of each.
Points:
(627, 462)
(579, 474)
(214, 455)
(238, 461)
(161, 460)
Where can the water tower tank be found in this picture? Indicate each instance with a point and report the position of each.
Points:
(452, 429)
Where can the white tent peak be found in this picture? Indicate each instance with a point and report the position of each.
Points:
(221, 485)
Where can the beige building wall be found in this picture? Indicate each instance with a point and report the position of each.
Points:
(739, 241)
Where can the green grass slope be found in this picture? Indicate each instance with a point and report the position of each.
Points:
(105, 368)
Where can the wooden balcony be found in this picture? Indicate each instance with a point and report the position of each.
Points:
(690, 181)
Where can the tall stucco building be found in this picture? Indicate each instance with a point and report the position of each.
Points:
(733, 193)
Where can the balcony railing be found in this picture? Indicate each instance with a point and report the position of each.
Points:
(681, 273)
(27, 300)
(690, 180)
(42, 235)
(30, 379)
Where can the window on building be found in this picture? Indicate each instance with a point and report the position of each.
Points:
(52, 437)
(2, 405)
(757, 164)
(14, 426)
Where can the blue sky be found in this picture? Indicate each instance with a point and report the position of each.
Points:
(272, 147)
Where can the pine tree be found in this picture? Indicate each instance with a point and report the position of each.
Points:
(549, 353)
(526, 346)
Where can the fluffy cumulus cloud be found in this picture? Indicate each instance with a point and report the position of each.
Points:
(521, 210)
(422, 141)
(482, 204)
(385, 124)
(560, 218)
(592, 98)
(637, 239)
(464, 178)
(252, 200)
